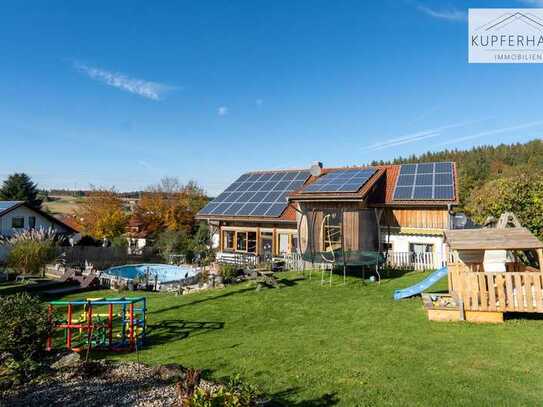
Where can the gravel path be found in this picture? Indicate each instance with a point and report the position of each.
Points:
(123, 384)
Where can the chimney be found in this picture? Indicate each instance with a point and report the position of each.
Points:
(316, 168)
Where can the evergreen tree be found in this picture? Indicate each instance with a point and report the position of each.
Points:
(19, 187)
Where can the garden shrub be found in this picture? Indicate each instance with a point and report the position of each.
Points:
(24, 328)
(31, 256)
(235, 393)
(228, 272)
(31, 250)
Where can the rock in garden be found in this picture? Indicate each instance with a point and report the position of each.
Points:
(170, 371)
(70, 360)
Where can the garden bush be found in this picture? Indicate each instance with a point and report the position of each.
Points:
(235, 393)
(31, 250)
(31, 256)
(228, 272)
(24, 328)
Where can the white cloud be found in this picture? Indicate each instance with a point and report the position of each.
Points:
(222, 110)
(492, 132)
(146, 89)
(413, 137)
(451, 14)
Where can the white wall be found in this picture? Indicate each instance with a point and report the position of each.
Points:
(215, 240)
(41, 221)
(400, 243)
(3, 252)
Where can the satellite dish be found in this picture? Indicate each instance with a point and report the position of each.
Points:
(316, 169)
(460, 220)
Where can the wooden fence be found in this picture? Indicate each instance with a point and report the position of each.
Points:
(100, 258)
(506, 291)
(415, 261)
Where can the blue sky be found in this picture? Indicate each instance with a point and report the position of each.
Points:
(124, 93)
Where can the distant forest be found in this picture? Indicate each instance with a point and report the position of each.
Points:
(485, 163)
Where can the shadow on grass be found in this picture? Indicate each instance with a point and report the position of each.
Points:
(289, 282)
(512, 316)
(395, 273)
(286, 282)
(284, 398)
(215, 297)
(174, 330)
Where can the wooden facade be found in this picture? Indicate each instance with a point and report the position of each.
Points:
(358, 232)
(420, 218)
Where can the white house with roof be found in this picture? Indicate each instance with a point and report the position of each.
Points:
(18, 216)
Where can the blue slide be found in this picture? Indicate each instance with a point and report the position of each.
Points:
(421, 286)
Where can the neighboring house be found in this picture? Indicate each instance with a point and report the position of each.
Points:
(136, 235)
(17, 216)
(400, 209)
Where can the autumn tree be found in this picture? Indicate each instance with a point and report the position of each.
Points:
(521, 194)
(101, 214)
(171, 205)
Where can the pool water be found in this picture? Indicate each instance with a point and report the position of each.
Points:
(164, 272)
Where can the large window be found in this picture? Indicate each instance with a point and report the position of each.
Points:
(246, 242)
(18, 223)
(419, 248)
(251, 242)
(228, 239)
(239, 241)
(241, 245)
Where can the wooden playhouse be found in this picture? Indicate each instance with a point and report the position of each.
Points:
(491, 272)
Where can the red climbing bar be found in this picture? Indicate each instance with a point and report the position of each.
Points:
(131, 308)
(69, 332)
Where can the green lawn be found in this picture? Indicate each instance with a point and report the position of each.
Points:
(350, 345)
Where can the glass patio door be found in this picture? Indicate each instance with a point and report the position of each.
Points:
(266, 246)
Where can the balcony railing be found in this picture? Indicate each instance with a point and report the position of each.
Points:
(415, 261)
(294, 261)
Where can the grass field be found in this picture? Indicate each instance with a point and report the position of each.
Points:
(346, 345)
(63, 205)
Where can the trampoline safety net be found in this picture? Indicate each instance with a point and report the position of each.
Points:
(341, 237)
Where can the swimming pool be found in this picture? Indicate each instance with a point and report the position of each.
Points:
(164, 273)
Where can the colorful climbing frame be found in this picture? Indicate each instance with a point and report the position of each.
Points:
(114, 324)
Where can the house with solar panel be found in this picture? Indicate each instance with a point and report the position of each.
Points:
(351, 215)
(18, 216)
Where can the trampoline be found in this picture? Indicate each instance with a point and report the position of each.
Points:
(338, 237)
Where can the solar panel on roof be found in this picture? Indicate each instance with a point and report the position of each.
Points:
(349, 180)
(4, 205)
(257, 194)
(425, 181)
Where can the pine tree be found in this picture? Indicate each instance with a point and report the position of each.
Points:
(19, 187)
